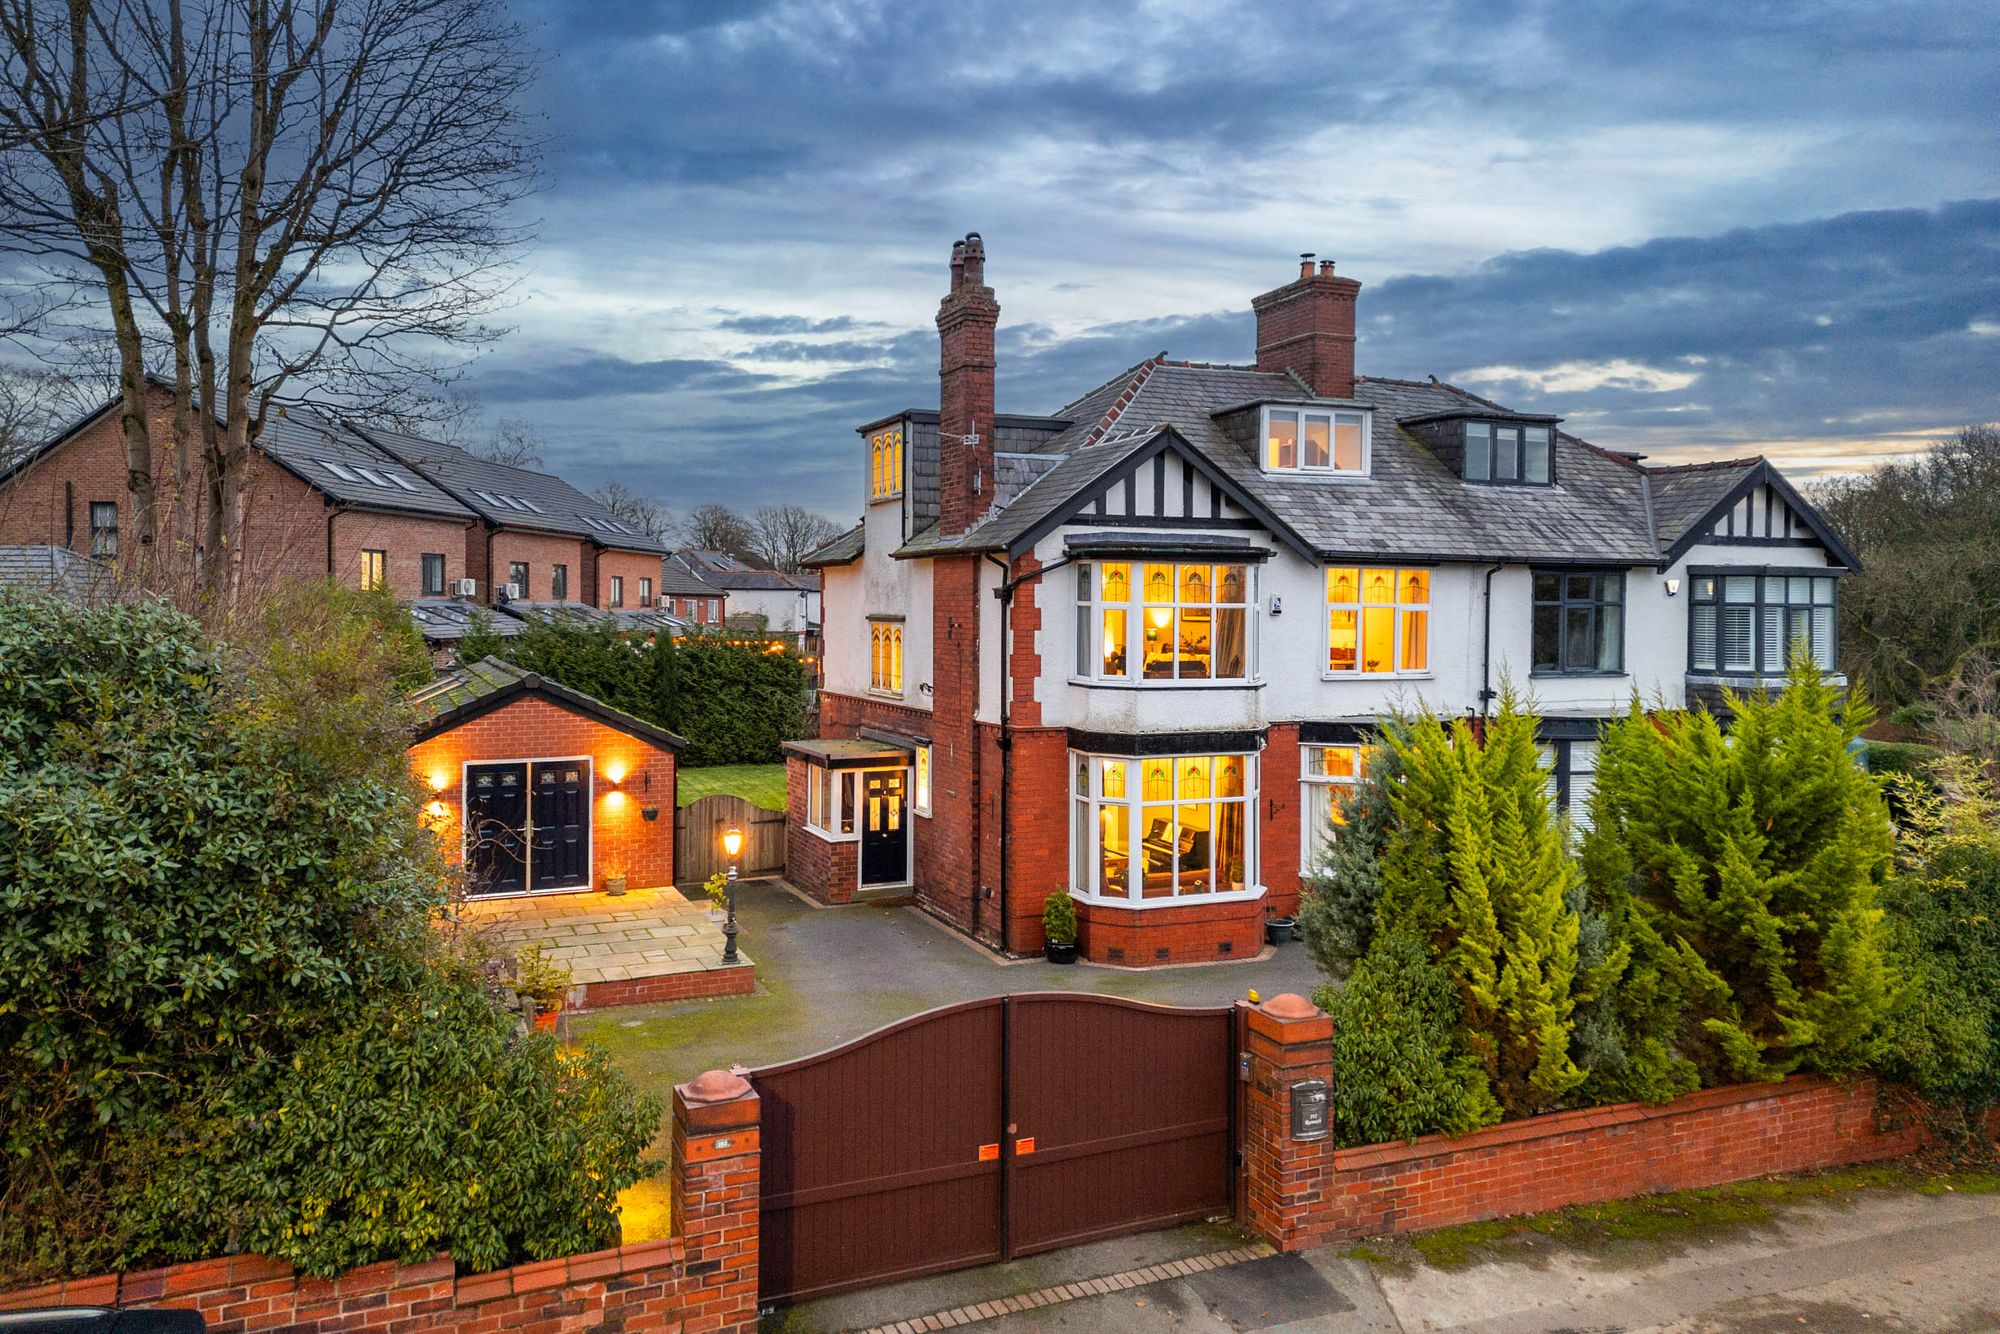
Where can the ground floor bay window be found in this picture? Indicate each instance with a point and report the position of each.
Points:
(1163, 829)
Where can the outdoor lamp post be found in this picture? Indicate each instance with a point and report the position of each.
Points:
(732, 845)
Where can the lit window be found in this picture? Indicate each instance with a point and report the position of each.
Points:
(1304, 440)
(1163, 622)
(433, 574)
(920, 798)
(1509, 454)
(1579, 621)
(617, 590)
(374, 569)
(104, 529)
(1377, 620)
(830, 801)
(1746, 622)
(1327, 775)
(1150, 831)
(885, 657)
(885, 464)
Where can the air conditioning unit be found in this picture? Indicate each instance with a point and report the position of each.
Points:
(465, 588)
(663, 602)
(515, 592)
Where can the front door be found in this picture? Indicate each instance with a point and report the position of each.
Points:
(496, 827)
(885, 846)
(561, 806)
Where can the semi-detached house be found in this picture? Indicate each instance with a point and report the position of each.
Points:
(364, 505)
(1132, 648)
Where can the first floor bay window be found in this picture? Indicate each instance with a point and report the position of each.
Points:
(1377, 620)
(1747, 621)
(1164, 827)
(1159, 621)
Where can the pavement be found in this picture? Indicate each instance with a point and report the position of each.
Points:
(603, 937)
(1871, 1260)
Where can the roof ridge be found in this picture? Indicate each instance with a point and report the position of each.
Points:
(1140, 374)
(1467, 393)
(1709, 465)
(1099, 388)
(1207, 365)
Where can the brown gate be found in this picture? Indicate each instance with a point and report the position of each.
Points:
(991, 1129)
(698, 830)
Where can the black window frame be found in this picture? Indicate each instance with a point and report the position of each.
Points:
(617, 590)
(381, 562)
(559, 581)
(428, 563)
(1562, 603)
(1520, 452)
(100, 548)
(645, 591)
(1765, 663)
(520, 567)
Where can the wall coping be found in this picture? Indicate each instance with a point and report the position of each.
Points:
(1550, 1125)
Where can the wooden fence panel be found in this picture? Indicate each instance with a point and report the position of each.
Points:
(698, 830)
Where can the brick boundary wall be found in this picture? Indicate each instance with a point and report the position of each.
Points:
(740, 980)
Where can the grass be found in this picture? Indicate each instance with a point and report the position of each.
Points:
(760, 784)
(1664, 1219)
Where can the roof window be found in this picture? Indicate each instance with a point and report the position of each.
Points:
(338, 470)
(1509, 454)
(1324, 441)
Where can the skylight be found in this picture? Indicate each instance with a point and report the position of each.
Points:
(373, 476)
(338, 471)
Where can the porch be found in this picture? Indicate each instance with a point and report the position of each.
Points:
(639, 947)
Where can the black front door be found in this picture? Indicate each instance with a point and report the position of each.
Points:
(496, 824)
(561, 857)
(885, 848)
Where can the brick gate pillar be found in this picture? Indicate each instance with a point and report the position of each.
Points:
(716, 1166)
(1288, 1180)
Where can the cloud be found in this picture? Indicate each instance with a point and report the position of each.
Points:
(788, 324)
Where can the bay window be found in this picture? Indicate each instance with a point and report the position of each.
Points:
(1304, 440)
(1163, 828)
(1164, 622)
(830, 803)
(1327, 775)
(1745, 622)
(1377, 620)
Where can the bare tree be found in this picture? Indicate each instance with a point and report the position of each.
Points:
(266, 199)
(787, 534)
(649, 516)
(35, 404)
(715, 527)
(514, 442)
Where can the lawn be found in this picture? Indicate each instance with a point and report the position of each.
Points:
(761, 784)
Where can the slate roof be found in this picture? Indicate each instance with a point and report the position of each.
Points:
(347, 466)
(471, 690)
(447, 620)
(509, 496)
(725, 572)
(58, 570)
(841, 550)
(677, 580)
(1604, 507)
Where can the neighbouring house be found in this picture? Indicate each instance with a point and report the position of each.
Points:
(356, 502)
(542, 789)
(787, 603)
(1133, 648)
(687, 595)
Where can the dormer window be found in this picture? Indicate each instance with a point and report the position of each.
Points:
(1316, 440)
(1509, 454)
(885, 464)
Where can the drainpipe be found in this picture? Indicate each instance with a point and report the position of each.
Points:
(1006, 742)
(1486, 650)
(332, 513)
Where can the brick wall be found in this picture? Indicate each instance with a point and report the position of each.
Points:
(631, 566)
(1308, 326)
(1195, 933)
(404, 538)
(622, 839)
(951, 875)
(543, 552)
(826, 869)
(1037, 844)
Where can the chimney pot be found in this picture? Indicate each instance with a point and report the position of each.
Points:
(1306, 264)
(1326, 268)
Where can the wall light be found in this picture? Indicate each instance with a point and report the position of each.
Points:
(440, 780)
(1673, 587)
(437, 810)
(614, 774)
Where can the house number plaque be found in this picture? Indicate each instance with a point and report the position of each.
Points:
(1309, 1109)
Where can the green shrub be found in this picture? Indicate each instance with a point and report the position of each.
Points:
(1901, 758)
(735, 703)
(214, 884)
(1475, 865)
(1400, 1070)
(1743, 872)
(1059, 918)
(589, 655)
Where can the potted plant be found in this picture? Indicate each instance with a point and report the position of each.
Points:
(1278, 930)
(1059, 927)
(614, 885)
(544, 981)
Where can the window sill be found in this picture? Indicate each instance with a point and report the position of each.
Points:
(885, 694)
(828, 836)
(1552, 674)
(1314, 475)
(1093, 683)
(1179, 901)
(883, 500)
(1425, 675)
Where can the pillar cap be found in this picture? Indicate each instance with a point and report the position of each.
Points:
(715, 1086)
(1290, 1005)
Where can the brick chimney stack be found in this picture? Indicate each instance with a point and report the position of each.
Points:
(966, 320)
(1307, 326)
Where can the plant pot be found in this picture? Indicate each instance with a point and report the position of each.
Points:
(1278, 930)
(614, 885)
(1063, 951)
(545, 1019)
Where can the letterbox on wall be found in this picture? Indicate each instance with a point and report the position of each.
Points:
(1309, 1109)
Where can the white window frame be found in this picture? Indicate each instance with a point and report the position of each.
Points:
(1313, 781)
(921, 776)
(1397, 609)
(832, 796)
(1084, 817)
(1092, 604)
(885, 657)
(1301, 412)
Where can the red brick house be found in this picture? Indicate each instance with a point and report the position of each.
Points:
(361, 504)
(1134, 648)
(543, 789)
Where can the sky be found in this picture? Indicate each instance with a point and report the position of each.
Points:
(1694, 230)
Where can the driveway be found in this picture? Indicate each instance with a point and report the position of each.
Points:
(825, 975)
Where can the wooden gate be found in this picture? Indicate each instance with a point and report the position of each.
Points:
(991, 1129)
(698, 830)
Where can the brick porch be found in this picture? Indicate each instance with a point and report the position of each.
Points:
(646, 945)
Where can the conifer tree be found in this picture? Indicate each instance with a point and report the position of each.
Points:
(1743, 872)
(1475, 865)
